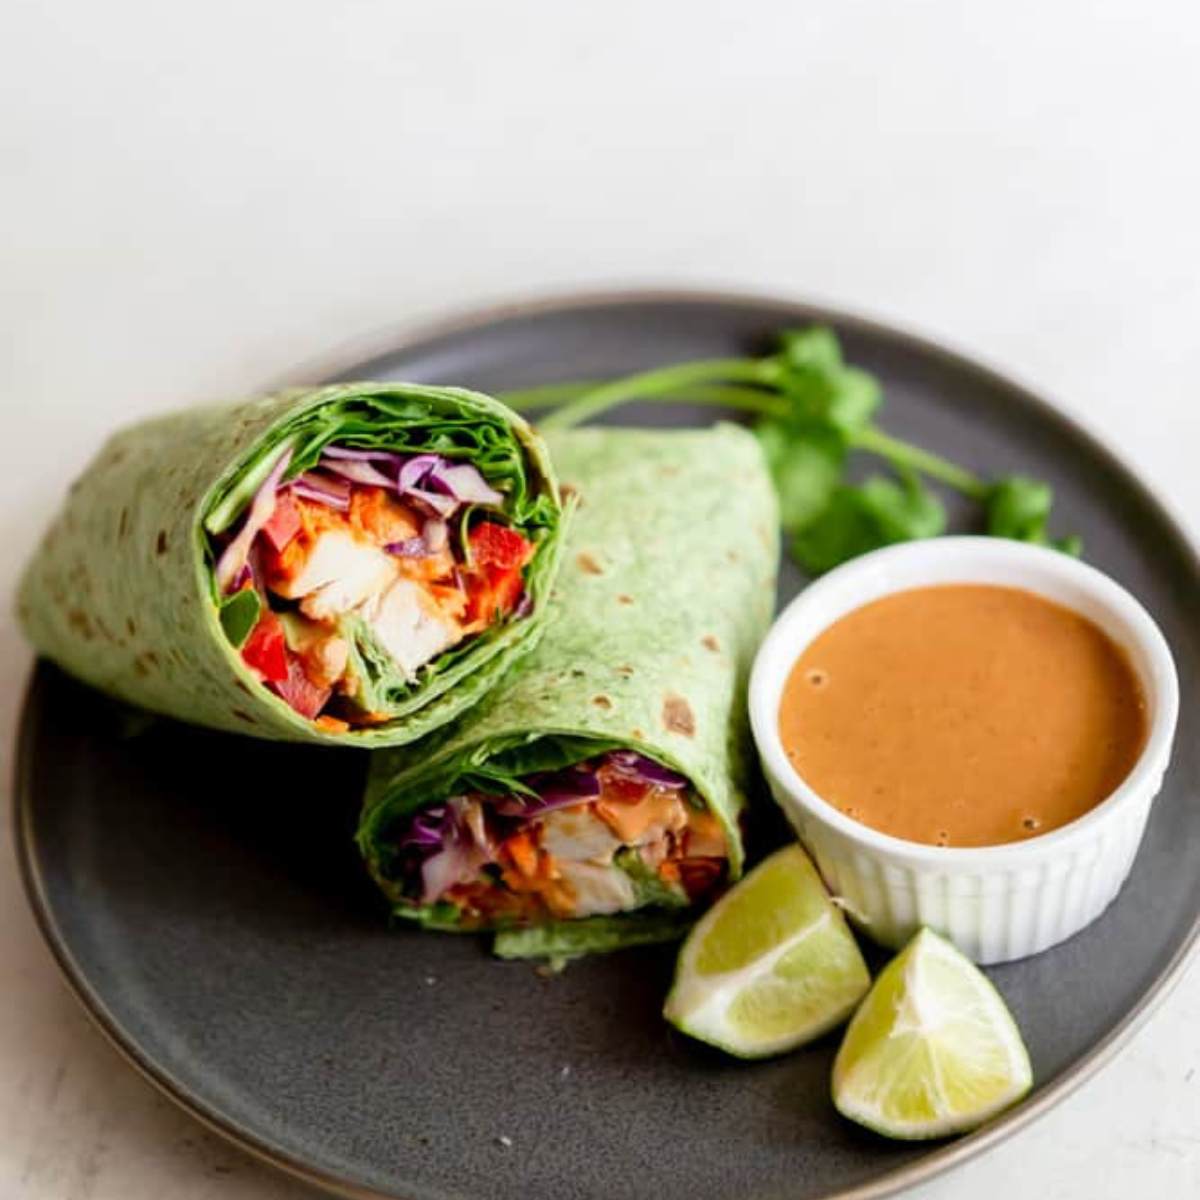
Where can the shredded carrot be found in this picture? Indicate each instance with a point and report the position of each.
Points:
(523, 852)
(331, 724)
(371, 718)
(381, 516)
(450, 599)
(668, 871)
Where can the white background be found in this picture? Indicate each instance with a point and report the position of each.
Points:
(195, 197)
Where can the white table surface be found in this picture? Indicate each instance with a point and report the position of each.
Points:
(193, 198)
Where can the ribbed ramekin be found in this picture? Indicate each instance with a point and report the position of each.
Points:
(995, 902)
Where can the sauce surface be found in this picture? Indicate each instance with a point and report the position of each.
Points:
(963, 715)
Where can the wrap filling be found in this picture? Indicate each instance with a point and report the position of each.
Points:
(612, 834)
(369, 563)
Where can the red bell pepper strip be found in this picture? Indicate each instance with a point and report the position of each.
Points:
(265, 649)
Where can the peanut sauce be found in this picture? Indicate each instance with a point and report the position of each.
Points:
(963, 715)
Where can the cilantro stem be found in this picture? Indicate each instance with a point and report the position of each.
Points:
(810, 407)
(719, 395)
(904, 454)
(747, 399)
(721, 382)
(657, 383)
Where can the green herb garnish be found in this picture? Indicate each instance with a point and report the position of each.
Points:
(811, 411)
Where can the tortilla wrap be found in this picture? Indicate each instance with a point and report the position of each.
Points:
(666, 589)
(122, 591)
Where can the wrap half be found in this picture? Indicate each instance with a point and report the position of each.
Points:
(354, 564)
(592, 799)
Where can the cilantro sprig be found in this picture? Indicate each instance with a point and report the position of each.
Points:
(812, 410)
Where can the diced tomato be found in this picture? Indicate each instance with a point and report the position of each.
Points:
(300, 692)
(492, 590)
(265, 649)
(622, 789)
(494, 583)
(285, 522)
(507, 587)
(699, 875)
(495, 545)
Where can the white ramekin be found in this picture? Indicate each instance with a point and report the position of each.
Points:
(996, 902)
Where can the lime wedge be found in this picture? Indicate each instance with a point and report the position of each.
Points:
(770, 966)
(932, 1050)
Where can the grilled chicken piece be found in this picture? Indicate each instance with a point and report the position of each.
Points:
(575, 834)
(338, 572)
(410, 626)
(659, 812)
(597, 889)
(324, 655)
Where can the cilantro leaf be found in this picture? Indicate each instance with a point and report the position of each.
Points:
(810, 410)
(819, 388)
(1018, 507)
(858, 519)
(806, 470)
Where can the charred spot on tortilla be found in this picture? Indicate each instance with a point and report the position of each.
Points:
(733, 556)
(587, 564)
(669, 471)
(710, 643)
(123, 524)
(243, 716)
(131, 626)
(677, 715)
(160, 546)
(624, 598)
(567, 490)
(77, 619)
(241, 683)
(626, 670)
(602, 701)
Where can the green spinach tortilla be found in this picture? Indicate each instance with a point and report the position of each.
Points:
(667, 586)
(124, 592)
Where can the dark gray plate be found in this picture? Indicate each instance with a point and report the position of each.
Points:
(203, 897)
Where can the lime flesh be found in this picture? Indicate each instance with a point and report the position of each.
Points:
(772, 965)
(932, 1050)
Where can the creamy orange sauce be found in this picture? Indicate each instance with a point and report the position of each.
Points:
(963, 715)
